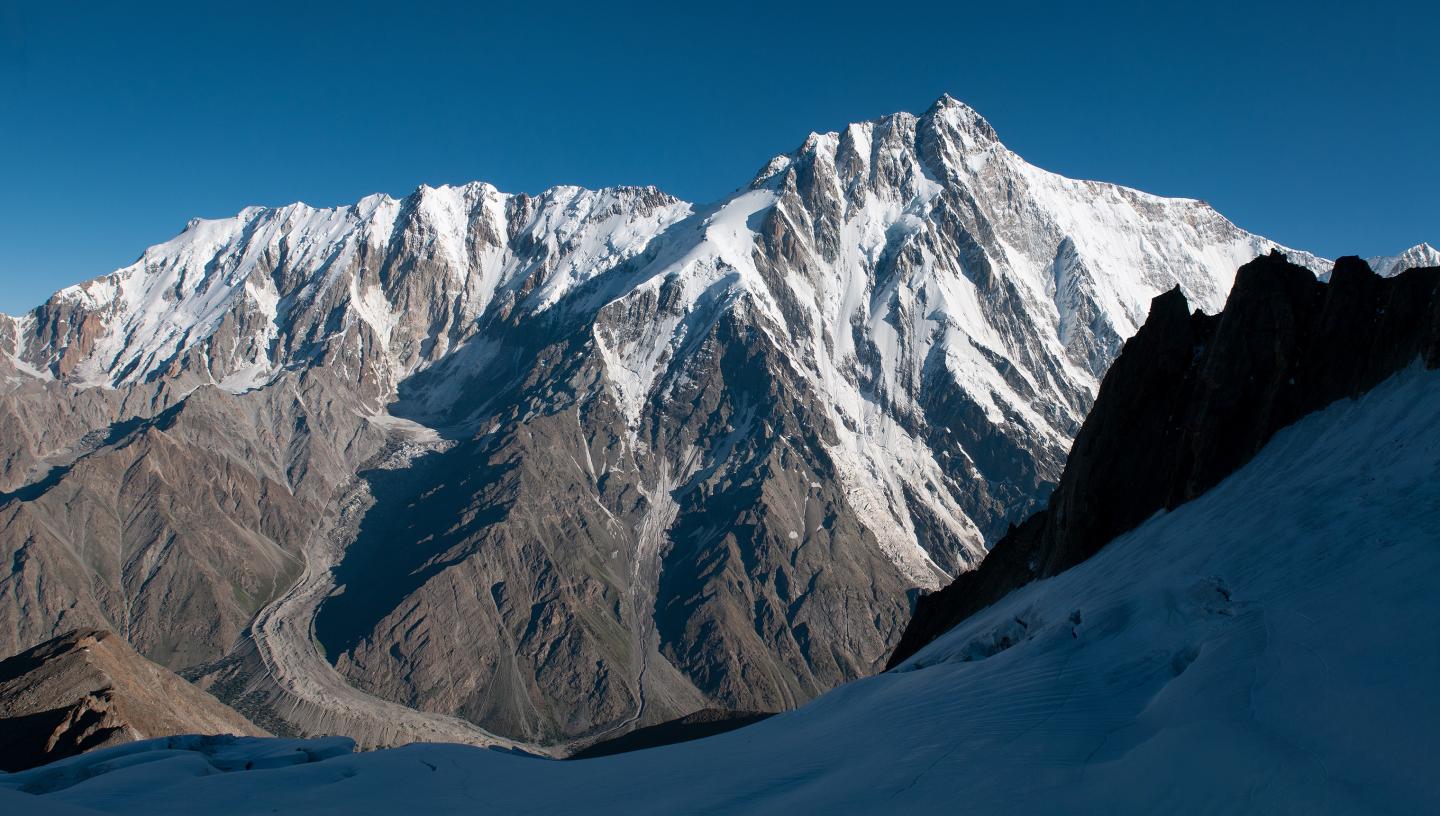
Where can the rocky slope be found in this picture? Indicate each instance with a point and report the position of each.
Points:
(1192, 398)
(88, 689)
(567, 464)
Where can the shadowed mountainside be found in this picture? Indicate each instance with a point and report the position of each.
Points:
(1192, 398)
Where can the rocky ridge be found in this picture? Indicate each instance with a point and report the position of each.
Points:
(1192, 398)
(88, 689)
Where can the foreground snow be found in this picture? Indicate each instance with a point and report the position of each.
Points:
(1268, 648)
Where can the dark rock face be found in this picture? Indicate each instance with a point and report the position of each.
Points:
(1192, 398)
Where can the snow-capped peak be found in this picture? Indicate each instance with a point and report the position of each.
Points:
(899, 261)
(859, 369)
(963, 119)
(1421, 254)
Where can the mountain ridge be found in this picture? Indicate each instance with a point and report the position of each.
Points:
(655, 457)
(87, 689)
(1192, 398)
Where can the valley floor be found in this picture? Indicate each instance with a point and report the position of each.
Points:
(1270, 647)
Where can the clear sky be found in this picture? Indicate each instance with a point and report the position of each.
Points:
(1316, 123)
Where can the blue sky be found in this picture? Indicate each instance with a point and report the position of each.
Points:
(1314, 123)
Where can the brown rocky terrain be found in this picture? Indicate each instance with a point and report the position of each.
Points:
(88, 689)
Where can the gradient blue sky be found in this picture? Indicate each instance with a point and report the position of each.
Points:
(1315, 123)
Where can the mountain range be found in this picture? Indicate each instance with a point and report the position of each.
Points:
(535, 471)
(1260, 643)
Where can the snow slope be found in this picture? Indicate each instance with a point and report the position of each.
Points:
(1268, 647)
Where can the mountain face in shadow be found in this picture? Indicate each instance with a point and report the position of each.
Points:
(1191, 398)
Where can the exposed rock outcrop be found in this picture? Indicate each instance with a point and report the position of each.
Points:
(1193, 397)
(88, 689)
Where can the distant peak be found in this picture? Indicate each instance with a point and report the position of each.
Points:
(1422, 254)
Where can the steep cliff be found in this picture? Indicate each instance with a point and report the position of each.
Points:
(1191, 398)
